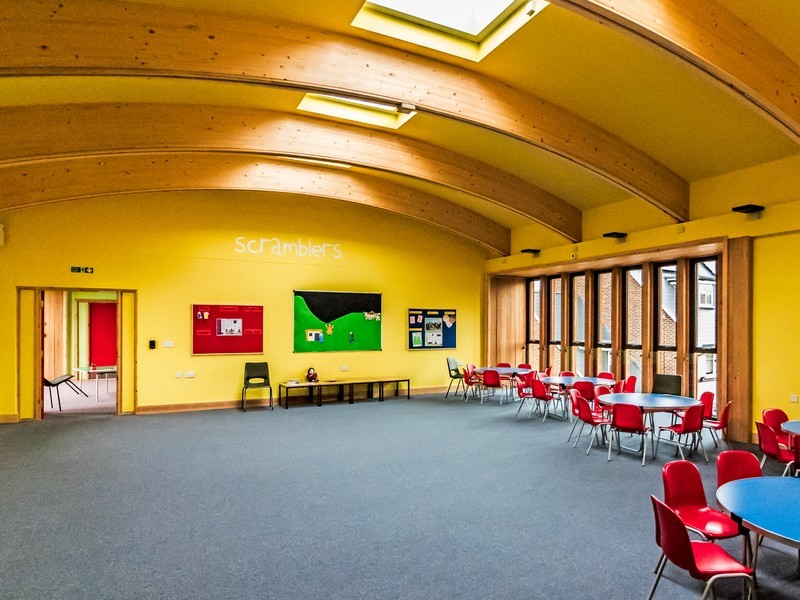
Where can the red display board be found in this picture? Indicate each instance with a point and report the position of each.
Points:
(227, 329)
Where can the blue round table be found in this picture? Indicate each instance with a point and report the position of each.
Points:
(569, 381)
(650, 402)
(791, 427)
(769, 506)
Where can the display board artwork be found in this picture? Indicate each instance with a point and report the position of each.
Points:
(227, 329)
(336, 321)
(430, 328)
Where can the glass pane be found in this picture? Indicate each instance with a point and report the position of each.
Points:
(633, 366)
(705, 315)
(554, 354)
(533, 356)
(705, 368)
(633, 307)
(579, 360)
(555, 309)
(667, 309)
(604, 359)
(603, 308)
(579, 308)
(667, 362)
(534, 323)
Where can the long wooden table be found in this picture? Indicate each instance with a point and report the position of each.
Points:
(315, 388)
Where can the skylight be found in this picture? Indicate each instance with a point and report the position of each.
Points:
(470, 29)
(469, 17)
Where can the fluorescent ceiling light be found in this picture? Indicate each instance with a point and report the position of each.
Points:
(371, 112)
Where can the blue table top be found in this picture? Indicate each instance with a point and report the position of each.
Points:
(570, 381)
(651, 402)
(767, 505)
(792, 427)
(504, 370)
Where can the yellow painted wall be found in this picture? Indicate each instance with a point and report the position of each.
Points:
(180, 248)
(776, 339)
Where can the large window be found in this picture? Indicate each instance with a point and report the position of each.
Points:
(633, 318)
(602, 320)
(554, 326)
(704, 325)
(578, 329)
(534, 323)
(666, 328)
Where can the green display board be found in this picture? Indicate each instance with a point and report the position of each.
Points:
(336, 321)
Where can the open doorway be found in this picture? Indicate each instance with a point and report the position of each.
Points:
(80, 342)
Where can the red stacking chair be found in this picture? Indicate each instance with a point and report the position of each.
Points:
(703, 560)
(618, 387)
(574, 394)
(525, 392)
(605, 375)
(627, 418)
(736, 464)
(691, 425)
(720, 424)
(492, 381)
(471, 381)
(599, 392)
(684, 494)
(630, 385)
(543, 397)
(592, 419)
(775, 417)
(768, 444)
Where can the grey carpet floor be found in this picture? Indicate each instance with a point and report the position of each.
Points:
(427, 498)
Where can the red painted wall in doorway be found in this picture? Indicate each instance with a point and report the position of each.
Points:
(103, 333)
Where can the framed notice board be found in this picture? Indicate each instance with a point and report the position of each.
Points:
(430, 328)
(227, 329)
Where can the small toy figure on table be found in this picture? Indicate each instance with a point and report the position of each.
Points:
(311, 375)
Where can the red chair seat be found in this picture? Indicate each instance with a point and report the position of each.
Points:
(711, 559)
(712, 524)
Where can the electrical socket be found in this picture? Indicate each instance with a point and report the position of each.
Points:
(189, 374)
(344, 368)
(178, 374)
(793, 398)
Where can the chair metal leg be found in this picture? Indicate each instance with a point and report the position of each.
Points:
(521, 402)
(659, 571)
(580, 432)
(574, 424)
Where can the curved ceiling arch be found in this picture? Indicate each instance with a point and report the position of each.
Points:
(69, 178)
(43, 132)
(141, 40)
(708, 37)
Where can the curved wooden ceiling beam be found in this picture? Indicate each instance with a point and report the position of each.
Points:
(53, 131)
(709, 37)
(36, 182)
(144, 40)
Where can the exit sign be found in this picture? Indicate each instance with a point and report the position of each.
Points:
(81, 269)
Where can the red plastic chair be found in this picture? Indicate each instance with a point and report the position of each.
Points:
(599, 392)
(703, 560)
(574, 394)
(543, 396)
(492, 381)
(691, 425)
(471, 381)
(768, 444)
(618, 387)
(592, 419)
(775, 417)
(630, 385)
(605, 375)
(720, 424)
(525, 392)
(736, 464)
(628, 418)
(684, 494)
